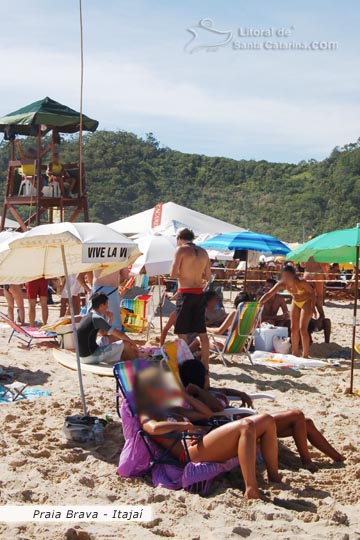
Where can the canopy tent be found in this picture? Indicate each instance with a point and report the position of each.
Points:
(48, 114)
(341, 246)
(168, 218)
(64, 249)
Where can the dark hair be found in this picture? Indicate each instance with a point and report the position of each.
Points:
(192, 372)
(241, 297)
(209, 295)
(98, 299)
(289, 269)
(185, 234)
(271, 280)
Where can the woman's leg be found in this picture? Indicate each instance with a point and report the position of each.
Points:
(293, 424)
(295, 326)
(318, 440)
(305, 316)
(236, 438)
(63, 307)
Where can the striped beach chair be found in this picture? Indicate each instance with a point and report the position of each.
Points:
(241, 333)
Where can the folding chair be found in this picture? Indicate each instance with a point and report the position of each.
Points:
(241, 333)
(15, 390)
(124, 373)
(25, 334)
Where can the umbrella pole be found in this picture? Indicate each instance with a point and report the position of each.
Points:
(354, 321)
(73, 323)
(160, 306)
(246, 269)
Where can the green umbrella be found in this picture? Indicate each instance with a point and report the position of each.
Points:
(337, 246)
(49, 114)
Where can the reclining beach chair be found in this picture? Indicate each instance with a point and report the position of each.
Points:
(141, 455)
(137, 314)
(241, 333)
(26, 334)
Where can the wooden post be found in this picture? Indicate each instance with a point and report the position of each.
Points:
(38, 176)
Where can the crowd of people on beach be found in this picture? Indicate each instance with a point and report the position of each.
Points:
(102, 339)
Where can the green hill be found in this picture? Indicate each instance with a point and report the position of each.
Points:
(127, 174)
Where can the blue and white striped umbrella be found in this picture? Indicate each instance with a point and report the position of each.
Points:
(247, 240)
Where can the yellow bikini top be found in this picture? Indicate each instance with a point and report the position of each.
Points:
(27, 169)
(56, 168)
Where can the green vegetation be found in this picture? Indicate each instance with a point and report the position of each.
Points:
(126, 174)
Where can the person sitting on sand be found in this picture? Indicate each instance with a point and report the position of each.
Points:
(153, 397)
(302, 308)
(288, 424)
(271, 309)
(95, 322)
(318, 325)
(226, 325)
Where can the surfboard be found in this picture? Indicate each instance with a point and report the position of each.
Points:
(68, 359)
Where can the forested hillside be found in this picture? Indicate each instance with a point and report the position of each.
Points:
(127, 174)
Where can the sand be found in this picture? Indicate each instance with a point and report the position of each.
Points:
(38, 466)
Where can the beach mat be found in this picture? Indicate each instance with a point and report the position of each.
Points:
(68, 359)
(277, 360)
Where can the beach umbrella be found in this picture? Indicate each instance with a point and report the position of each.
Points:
(340, 246)
(63, 249)
(246, 240)
(157, 254)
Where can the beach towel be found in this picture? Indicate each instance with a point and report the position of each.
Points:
(29, 393)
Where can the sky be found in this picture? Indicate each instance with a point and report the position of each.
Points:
(190, 73)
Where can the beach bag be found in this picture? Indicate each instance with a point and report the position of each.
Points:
(79, 428)
(281, 345)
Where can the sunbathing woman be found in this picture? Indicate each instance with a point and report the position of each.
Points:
(288, 424)
(302, 308)
(153, 397)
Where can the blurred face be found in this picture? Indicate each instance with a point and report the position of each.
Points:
(288, 278)
(161, 393)
(103, 308)
(56, 158)
(31, 154)
(268, 286)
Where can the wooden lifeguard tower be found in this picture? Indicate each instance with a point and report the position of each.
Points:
(25, 197)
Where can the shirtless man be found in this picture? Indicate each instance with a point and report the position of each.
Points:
(271, 309)
(191, 267)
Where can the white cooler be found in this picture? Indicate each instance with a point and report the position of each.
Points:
(66, 336)
(264, 337)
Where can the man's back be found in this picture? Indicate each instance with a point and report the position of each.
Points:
(193, 267)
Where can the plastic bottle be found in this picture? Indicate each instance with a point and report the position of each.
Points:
(98, 431)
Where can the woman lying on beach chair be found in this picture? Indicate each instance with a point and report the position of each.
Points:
(288, 424)
(153, 398)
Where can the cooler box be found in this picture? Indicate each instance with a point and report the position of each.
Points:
(66, 336)
(264, 337)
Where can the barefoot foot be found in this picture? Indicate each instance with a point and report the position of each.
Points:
(252, 493)
(275, 478)
(310, 466)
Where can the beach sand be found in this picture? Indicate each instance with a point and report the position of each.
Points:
(38, 466)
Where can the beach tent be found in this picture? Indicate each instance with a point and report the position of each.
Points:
(168, 218)
(64, 249)
(48, 114)
(341, 246)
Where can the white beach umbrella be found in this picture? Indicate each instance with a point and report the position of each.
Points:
(157, 254)
(62, 249)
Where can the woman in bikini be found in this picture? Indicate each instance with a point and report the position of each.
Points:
(302, 308)
(158, 417)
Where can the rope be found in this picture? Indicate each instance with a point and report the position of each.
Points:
(81, 95)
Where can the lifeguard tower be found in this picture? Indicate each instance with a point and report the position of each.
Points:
(27, 197)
